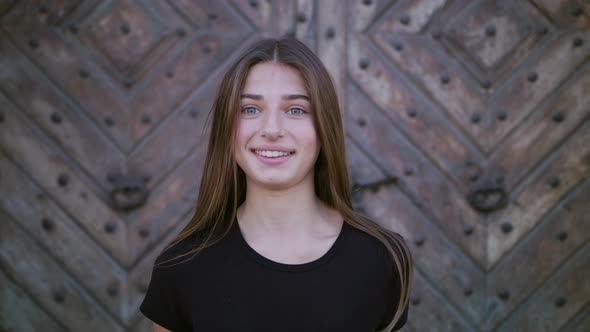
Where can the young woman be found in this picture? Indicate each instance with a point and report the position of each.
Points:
(274, 244)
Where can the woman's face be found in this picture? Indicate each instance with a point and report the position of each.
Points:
(276, 144)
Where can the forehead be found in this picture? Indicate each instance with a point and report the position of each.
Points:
(270, 77)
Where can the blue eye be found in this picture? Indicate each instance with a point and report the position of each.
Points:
(296, 111)
(250, 110)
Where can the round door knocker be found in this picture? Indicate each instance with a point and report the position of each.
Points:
(129, 192)
(488, 198)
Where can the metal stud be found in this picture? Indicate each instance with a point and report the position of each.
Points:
(560, 302)
(500, 179)
(504, 294)
(83, 73)
(110, 227)
(475, 117)
(144, 232)
(253, 3)
(445, 78)
(330, 33)
(193, 113)
(170, 74)
(212, 16)
(553, 182)
(542, 30)
(125, 28)
(55, 117)
(408, 172)
(468, 229)
(415, 300)
(180, 32)
(576, 10)
(411, 112)
(127, 82)
(404, 19)
(506, 227)
(578, 42)
(398, 46)
(558, 117)
(437, 34)
(62, 180)
(364, 63)
(467, 291)
(301, 17)
(34, 43)
(109, 121)
(146, 119)
(43, 9)
(361, 122)
(532, 77)
(491, 31)
(47, 224)
(113, 289)
(73, 28)
(502, 116)
(562, 236)
(59, 296)
(420, 240)
(486, 84)
(367, 2)
(206, 49)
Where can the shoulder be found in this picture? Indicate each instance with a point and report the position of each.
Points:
(176, 255)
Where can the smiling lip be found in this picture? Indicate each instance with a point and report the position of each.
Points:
(272, 160)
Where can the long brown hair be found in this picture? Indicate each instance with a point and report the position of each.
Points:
(223, 184)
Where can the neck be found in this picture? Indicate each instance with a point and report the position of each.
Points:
(291, 209)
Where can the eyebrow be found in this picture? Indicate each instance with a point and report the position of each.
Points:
(284, 97)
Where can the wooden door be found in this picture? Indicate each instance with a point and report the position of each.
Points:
(467, 132)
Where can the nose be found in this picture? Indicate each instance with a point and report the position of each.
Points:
(272, 126)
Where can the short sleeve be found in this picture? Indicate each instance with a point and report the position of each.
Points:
(161, 303)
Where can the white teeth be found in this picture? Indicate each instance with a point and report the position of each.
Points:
(272, 154)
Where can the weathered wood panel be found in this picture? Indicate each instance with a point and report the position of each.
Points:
(467, 127)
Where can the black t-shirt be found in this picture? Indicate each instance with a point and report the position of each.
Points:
(231, 287)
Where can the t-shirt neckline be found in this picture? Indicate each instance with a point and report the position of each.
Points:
(260, 259)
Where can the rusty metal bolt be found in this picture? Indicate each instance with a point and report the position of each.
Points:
(558, 117)
(412, 112)
(110, 227)
(127, 82)
(330, 33)
(560, 301)
(445, 78)
(506, 227)
(553, 182)
(62, 180)
(408, 172)
(532, 77)
(542, 30)
(212, 16)
(415, 300)
(468, 229)
(34, 43)
(146, 119)
(109, 121)
(55, 117)
(364, 63)
(47, 224)
(367, 2)
(504, 294)
(491, 31)
(398, 46)
(361, 122)
(73, 28)
(578, 42)
(502, 115)
(475, 117)
(486, 84)
(404, 19)
(562, 236)
(437, 34)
